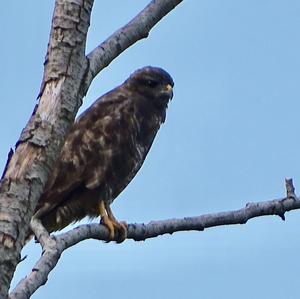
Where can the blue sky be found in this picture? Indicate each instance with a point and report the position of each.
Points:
(231, 137)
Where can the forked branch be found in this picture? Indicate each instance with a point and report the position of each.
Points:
(137, 29)
(54, 246)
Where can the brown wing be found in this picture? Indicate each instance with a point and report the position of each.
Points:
(86, 154)
(102, 153)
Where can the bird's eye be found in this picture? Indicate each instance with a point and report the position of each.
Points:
(151, 83)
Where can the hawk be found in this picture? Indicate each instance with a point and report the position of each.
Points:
(104, 150)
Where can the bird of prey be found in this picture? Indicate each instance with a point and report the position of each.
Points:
(104, 150)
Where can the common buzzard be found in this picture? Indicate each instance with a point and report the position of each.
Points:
(103, 151)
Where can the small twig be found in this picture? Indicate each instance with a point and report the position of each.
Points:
(23, 258)
(40, 233)
(290, 189)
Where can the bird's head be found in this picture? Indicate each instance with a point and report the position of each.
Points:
(153, 83)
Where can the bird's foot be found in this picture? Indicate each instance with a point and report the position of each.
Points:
(117, 230)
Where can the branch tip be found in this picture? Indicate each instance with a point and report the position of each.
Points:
(282, 216)
(290, 189)
(23, 258)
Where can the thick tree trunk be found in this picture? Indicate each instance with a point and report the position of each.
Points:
(41, 140)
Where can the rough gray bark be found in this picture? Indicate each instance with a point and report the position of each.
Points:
(67, 76)
(53, 247)
(40, 141)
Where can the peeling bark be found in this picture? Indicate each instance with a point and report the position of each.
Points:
(40, 141)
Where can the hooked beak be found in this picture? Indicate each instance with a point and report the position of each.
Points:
(165, 95)
(169, 91)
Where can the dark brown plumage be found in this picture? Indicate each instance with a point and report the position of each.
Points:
(104, 149)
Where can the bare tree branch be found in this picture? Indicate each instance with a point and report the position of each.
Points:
(51, 255)
(52, 250)
(138, 28)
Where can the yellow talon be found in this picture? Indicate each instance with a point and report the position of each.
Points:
(109, 220)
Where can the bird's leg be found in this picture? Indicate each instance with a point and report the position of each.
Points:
(120, 226)
(106, 221)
